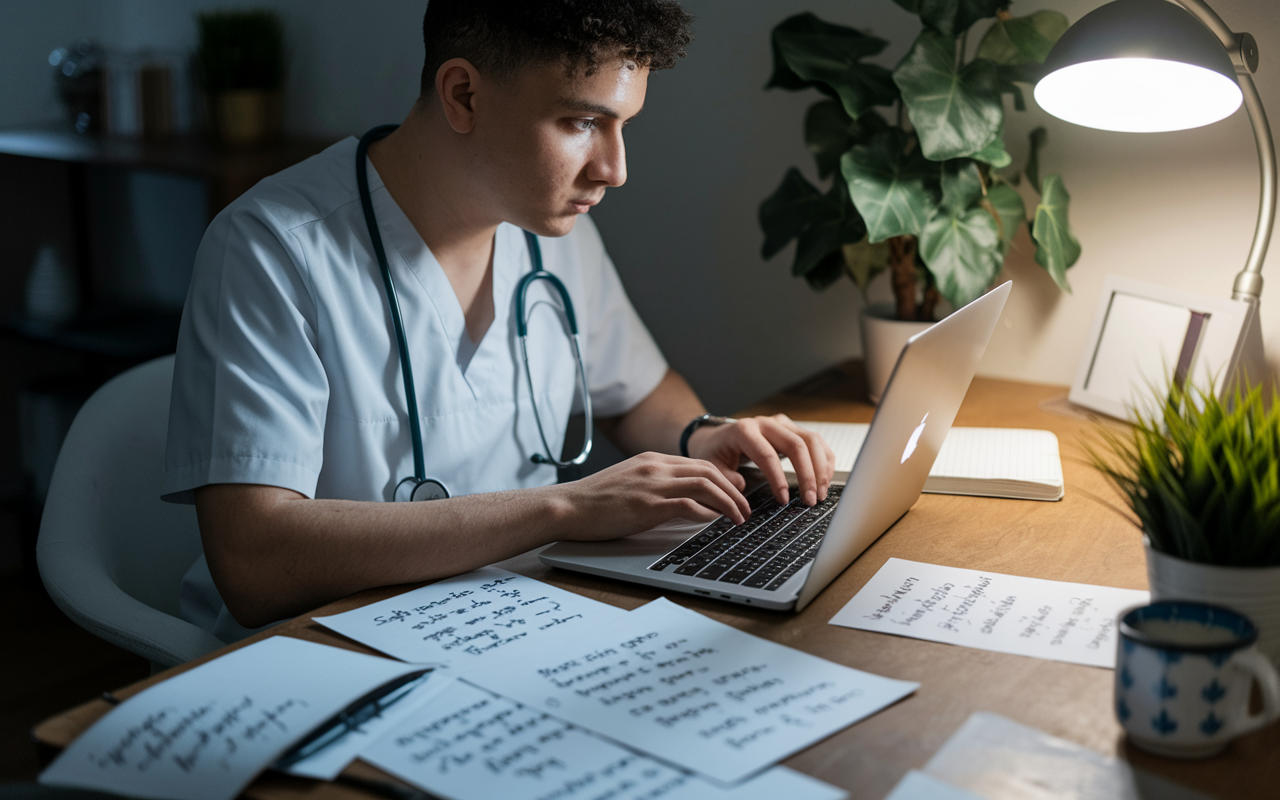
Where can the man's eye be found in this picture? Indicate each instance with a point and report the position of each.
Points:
(584, 124)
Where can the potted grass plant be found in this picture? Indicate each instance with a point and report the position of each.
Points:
(240, 61)
(922, 186)
(1201, 477)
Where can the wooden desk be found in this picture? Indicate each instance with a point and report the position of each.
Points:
(1077, 539)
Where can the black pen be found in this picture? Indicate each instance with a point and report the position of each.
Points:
(353, 716)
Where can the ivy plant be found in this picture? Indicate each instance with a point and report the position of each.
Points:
(931, 195)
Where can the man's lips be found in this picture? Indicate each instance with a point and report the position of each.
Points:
(583, 206)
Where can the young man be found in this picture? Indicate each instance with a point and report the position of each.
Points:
(289, 422)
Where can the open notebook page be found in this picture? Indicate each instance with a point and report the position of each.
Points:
(992, 462)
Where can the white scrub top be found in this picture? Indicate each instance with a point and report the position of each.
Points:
(287, 371)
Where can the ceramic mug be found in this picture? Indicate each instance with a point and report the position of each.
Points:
(1184, 671)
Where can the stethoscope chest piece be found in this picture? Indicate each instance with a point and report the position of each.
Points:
(414, 489)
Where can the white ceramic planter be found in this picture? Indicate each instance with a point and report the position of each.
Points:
(1253, 591)
(883, 337)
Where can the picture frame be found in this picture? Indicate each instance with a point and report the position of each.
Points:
(1143, 335)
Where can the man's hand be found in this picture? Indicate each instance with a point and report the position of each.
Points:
(761, 439)
(647, 490)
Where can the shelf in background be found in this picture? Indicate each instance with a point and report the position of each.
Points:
(228, 171)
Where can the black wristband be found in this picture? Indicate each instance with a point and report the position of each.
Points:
(698, 422)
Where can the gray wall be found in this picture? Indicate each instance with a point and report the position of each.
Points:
(1176, 209)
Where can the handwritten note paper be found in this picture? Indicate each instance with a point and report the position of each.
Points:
(204, 734)
(460, 620)
(689, 690)
(469, 744)
(1072, 622)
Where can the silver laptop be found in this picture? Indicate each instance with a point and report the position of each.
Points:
(783, 555)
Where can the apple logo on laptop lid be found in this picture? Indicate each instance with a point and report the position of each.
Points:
(915, 438)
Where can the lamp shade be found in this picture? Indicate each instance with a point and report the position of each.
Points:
(1139, 66)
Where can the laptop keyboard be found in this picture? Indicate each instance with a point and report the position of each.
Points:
(761, 553)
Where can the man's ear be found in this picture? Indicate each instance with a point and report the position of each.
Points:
(456, 83)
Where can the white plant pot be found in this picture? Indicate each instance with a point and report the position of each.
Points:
(1253, 591)
(883, 337)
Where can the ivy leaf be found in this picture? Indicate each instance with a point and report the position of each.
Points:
(1056, 246)
(809, 52)
(1023, 40)
(829, 132)
(955, 113)
(994, 153)
(826, 272)
(865, 261)
(835, 223)
(888, 186)
(953, 17)
(961, 185)
(1008, 76)
(1039, 137)
(963, 253)
(1010, 212)
(787, 212)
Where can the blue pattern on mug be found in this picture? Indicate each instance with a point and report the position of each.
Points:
(1164, 724)
(1169, 657)
(1211, 724)
(1126, 677)
(1220, 658)
(1128, 645)
(1213, 692)
(1165, 689)
(1122, 709)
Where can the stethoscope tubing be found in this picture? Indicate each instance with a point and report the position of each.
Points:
(393, 300)
(522, 333)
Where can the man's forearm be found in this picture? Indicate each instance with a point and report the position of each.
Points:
(274, 553)
(656, 423)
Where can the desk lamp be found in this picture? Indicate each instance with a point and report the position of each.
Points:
(1153, 65)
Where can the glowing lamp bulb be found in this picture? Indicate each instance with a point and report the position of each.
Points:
(1138, 95)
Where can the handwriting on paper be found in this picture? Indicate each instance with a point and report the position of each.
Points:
(465, 617)
(204, 734)
(690, 690)
(469, 743)
(214, 730)
(1070, 622)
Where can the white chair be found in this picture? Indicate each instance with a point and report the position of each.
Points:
(111, 553)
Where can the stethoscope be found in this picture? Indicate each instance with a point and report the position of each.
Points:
(419, 486)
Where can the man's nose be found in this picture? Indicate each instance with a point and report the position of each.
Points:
(609, 161)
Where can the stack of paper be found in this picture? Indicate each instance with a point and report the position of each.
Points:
(563, 697)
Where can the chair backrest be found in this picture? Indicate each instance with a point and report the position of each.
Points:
(111, 553)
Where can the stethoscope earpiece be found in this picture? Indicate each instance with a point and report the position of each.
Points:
(419, 487)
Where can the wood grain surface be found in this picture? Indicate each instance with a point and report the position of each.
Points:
(1081, 538)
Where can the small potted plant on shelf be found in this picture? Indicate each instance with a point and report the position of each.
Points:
(1201, 476)
(241, 67)
(922, 191)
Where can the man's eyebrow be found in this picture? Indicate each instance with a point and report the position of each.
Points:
(578, 104)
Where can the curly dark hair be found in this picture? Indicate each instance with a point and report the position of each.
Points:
(500, 36)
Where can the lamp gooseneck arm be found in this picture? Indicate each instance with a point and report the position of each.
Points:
(1244, 54)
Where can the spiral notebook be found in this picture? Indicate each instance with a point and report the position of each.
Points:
(1015, 463)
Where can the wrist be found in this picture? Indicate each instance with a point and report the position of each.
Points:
(697, 424)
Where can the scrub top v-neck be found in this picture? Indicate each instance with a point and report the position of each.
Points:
(287, 373)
